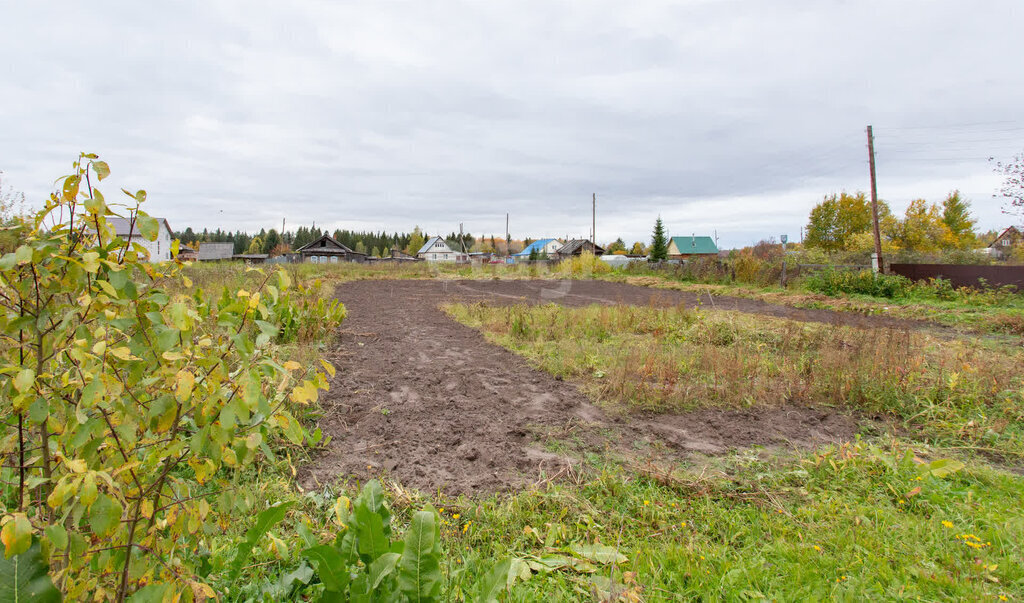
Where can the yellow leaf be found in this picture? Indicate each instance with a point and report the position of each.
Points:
(305, 393)
(291, 365)
(329, 367)
(186, 382)
(76, 465)
(99, 347)
(16, 534)
(187, 281)
(146, 509)
(172, 356)
(123, 353)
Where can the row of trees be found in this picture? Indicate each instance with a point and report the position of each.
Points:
(843, 223)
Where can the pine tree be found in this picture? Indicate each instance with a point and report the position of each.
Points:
(659, 244)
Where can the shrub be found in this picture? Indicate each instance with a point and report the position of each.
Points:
(864, 282)
(128, 406)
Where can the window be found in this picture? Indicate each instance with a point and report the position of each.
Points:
(334, 259)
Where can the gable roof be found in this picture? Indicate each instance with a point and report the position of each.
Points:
(1009, 231)
(539, 245)
(695, 245)
(430, 243)
(122, 226)
(579, 245)
(338, 247)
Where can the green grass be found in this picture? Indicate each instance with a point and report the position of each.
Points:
(949, 392)
(979, 312)
(844, 522)
(850, 522)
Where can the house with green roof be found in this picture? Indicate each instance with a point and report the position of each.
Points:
(680, 248)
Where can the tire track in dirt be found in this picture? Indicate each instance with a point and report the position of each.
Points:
(428, 402)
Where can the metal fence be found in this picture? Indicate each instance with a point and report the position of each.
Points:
(964, 275)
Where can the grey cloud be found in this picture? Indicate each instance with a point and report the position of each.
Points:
(734, 115)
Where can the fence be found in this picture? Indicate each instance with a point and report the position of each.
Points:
(964, 275)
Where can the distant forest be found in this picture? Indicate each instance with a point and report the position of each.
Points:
(374, 243)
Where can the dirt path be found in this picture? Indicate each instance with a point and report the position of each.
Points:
(429, 402)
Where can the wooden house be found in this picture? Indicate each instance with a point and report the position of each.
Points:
(578, 247)
(681, 248)
(1003, 245)
(437, 250)
(326, 250)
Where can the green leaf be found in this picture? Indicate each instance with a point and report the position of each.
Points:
(101, 168)
(24, 380)
(330, 567)
(370, 531)
(57, 535)
(381, 568)
(420, 576)
(23, 254)
(24, 577)
(942, 467)
(598, 553)
(16, 535)
(494, 582)
(148, 227)
(105, 515)
(154, 593)
(264, 521)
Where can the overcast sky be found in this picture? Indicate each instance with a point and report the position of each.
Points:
(727, 116)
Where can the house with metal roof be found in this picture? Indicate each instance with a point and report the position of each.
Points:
(158, 250)
(543, 246)
(437, 250)
(680, 248)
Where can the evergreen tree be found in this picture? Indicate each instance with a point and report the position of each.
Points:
(271, 241)
(659, 244)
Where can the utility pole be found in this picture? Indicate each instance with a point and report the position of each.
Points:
(593, 222)
(508, 242)
(877, 263)
(462, 238)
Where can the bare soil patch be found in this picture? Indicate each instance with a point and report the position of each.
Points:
(428, 402)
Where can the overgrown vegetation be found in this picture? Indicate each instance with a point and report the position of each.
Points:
(954, 393)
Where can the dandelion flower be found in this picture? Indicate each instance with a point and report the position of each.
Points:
(817, 548)
(456, 516)
(682, 524)
(947, 523)
(647, 502)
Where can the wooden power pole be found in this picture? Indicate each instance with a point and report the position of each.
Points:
(874, 201)
(508, 242)
(593, 221)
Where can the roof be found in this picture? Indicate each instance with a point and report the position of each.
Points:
(1010, 230)
(338, 247)
(122, 226)
(695, 245)
(216, 251)
(578, 245)
(430, 243)
(539, 245)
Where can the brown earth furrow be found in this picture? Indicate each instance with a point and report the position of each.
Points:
(428, 402)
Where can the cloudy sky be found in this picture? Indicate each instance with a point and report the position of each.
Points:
(727, 116)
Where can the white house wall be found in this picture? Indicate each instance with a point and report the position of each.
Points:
(160, 249)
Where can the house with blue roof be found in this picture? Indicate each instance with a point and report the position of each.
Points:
(680, 248)
(542, 246)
